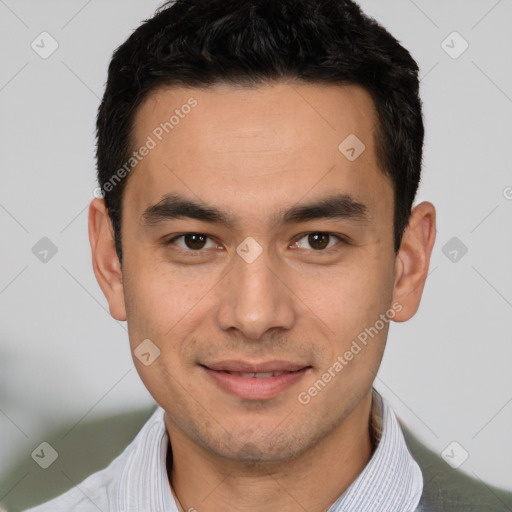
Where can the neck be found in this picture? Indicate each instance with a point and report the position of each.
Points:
(313, 481)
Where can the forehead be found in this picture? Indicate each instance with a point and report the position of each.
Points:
(281, 141)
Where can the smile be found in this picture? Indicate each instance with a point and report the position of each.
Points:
(255, 382)
(264, 375)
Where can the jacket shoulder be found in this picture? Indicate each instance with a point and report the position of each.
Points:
(450, 490)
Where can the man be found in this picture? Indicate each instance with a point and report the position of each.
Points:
(259, 162)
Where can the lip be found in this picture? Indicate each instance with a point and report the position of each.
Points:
(255, 388)
(247, 367)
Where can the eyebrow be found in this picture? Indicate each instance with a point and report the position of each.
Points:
(174, 206)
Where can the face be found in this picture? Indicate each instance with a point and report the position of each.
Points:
(256, 252)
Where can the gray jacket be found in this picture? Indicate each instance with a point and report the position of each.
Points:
(450, 490)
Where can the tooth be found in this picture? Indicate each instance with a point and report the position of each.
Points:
(260, 375)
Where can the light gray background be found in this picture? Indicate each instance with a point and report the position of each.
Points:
(63, 358)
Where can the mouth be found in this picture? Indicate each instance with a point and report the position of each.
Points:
(260, 375)
(255, 381)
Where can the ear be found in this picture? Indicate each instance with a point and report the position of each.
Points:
(104, 258)
(413, 259)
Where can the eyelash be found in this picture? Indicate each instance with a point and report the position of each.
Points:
(300, 237)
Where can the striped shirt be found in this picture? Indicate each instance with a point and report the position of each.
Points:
(392, 480)
(137, 481)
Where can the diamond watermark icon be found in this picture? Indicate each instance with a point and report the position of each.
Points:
(455, 454)
(44, 45)
(454, 45)
(146, 352)
(249, 250)
(352, 147)
(454, 249)
(44, 250)
(45, 455)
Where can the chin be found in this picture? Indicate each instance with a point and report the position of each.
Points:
(258, 447)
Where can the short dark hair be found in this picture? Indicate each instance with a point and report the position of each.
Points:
(198, 43)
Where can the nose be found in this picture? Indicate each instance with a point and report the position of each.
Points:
(255, 299)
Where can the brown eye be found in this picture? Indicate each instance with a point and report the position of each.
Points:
(317, 241)
(193, 242)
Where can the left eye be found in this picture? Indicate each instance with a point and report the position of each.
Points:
(317, 241)
(193, 241)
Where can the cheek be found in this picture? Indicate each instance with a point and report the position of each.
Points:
(160, 297)
(160, 309)
(352, 297)
(365, 322)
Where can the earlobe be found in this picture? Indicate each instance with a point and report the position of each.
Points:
(413, 259)
(105, 261)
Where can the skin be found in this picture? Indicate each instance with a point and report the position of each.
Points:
(252, 152)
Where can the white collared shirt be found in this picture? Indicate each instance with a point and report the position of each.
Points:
(136, 481)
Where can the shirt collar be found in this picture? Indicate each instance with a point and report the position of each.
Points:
(391, 481)
(144, 484)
